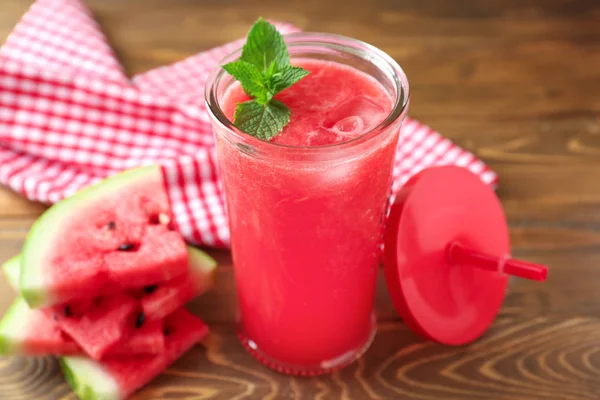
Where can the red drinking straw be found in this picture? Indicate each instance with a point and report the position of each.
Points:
(459, 254)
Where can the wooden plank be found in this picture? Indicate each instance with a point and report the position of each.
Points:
(529, 359)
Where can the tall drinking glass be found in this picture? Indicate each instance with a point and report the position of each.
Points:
(306, 222)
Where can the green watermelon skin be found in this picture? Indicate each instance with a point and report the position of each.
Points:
(32, 333)
(172, 295)
(117, 379)
(12, 270)
(102, 240)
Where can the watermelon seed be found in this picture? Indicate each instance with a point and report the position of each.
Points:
(68, 311)
(111, 225)
(126, 247)
(150, 289)
(139, 321)
(167, 331)
(164, 219)
(161, 218)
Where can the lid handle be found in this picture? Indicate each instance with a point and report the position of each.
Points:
(459, 254)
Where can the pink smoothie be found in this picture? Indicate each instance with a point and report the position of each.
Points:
(305, 233)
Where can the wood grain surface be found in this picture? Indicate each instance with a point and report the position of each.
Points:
(515, 81)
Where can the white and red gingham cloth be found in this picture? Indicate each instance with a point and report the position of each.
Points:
(69, 117)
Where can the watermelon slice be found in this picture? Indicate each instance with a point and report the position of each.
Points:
(111, 236)
(116, 379)
(107, 321)
(157, 300)
(31, 332)
(161, 300)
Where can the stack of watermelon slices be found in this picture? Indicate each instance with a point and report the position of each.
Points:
(102, 281)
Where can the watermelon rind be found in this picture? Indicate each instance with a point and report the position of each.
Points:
(89, 380)
(203, 266)
(40, 239)
(12, 327)
(12, 269)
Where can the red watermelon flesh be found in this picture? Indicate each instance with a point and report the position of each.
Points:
(112, 236)
(31, 332)
(107, 321)
(161, 251)
(119, 378)
(149, 339)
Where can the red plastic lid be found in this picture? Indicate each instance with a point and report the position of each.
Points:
(446, 257)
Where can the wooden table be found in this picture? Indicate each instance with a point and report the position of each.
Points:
(518, 83)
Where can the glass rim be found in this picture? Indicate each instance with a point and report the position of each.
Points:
(316, 39)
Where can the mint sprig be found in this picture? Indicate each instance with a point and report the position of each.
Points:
(263, 70)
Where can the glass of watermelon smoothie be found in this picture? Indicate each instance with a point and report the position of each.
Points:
(306, 210)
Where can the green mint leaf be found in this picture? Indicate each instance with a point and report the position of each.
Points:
(265, 45)
(263, 121)
(251, 79)
(285, 78)
(271, 70)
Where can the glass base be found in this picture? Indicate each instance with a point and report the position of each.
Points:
(325, 367)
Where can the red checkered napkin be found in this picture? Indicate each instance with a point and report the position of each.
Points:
(69, 117)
